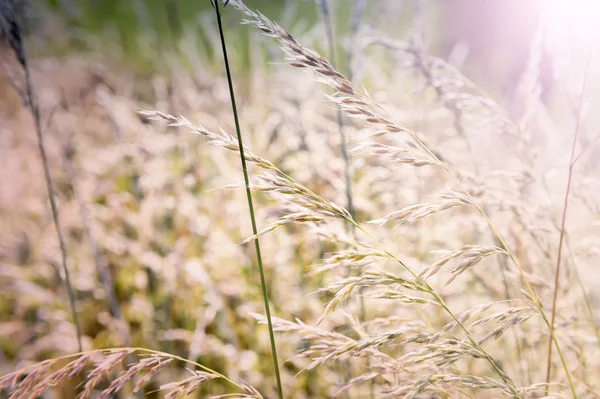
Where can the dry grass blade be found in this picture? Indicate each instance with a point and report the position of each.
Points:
(298, 217)
(188, 386)
(110, 363)
(221, 139)
(325, 345)
(469, 256)
(33, 380)
(367, 279)
(411, 391)
(358, 258)
(24, 382)
(453, 89)
(153, 365)
(362, 106)
(274, 181)
(278, 181)
(394, 153)
(416, 212)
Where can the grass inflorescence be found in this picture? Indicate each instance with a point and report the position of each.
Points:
(407, 229)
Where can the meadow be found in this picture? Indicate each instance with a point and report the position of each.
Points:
(422, 179)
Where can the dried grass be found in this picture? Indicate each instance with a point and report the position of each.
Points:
(455, 286)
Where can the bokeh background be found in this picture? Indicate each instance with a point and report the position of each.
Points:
(149, 203)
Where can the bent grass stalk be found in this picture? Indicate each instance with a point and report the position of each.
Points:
(441, 302)
(344, 215)
(132, 350)
(533, 295)
(218, 8)
(374, 113)
(507, 380)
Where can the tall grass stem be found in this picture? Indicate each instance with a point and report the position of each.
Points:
(35, 113)
(340, 117)
(564, 219)
(265, 295)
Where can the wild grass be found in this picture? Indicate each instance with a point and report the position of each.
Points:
(444, 272)
(10, 22)
(219, 7)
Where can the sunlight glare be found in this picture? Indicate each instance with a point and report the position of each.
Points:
(581, 17)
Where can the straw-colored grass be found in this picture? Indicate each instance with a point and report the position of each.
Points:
(448, 277)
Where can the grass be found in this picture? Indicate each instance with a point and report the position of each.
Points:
(263, 283)
(433, 264)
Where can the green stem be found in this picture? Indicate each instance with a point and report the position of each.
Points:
(265, 295)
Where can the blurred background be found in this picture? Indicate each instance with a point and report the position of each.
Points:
(144, 204)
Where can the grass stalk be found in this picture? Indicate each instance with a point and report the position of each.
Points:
(340, 117)
(337, 80)
(497, 368)
(533, 295)
(343, 142)
(218, 8)
(15, 37)
(572, 162)
(358, 9)
(142, 351)
(290, 183)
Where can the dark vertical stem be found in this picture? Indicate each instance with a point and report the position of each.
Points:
(51, 195)
(16, 41)
(263, 282)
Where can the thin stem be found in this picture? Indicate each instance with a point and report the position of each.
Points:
(573, 261)
(344, 150)
(35, 113)
(339, 115)
(507, 380)
(217, 8)
(172, 10)
(533, 295)
(587, 147)
(357, 12)
(441, 302)
(564, 219)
